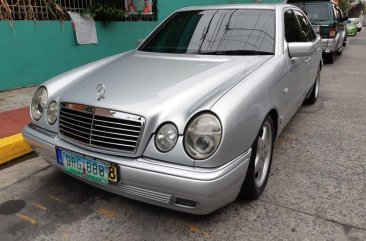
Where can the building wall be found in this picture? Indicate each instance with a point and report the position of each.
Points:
(36, 51)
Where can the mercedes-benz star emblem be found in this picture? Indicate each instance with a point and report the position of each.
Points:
(100, 91)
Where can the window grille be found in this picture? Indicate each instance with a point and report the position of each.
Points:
(134, 10)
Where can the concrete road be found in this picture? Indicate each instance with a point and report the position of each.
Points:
(316, 191)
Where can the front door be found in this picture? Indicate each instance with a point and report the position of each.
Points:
(312, 61)
(297, 67)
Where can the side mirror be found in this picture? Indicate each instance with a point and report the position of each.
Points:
(139, 41)
(300, 49)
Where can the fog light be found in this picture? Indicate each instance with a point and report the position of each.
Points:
(185, 202)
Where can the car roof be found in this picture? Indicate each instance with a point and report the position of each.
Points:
(264, 6)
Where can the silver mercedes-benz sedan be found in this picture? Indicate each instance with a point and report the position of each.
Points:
(188, 120)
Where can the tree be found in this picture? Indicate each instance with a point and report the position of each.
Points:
(344, 5)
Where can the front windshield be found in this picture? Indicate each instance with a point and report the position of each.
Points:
(218, 32)
(350, 23)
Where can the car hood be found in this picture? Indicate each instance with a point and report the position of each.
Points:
(161, 87)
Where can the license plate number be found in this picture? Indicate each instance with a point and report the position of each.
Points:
(87, 167)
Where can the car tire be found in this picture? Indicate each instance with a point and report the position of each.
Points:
(340, 51)
(260, 161)
(313, 97)
(329, 58)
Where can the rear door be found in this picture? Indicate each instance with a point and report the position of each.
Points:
(341, 26)
(340, 35)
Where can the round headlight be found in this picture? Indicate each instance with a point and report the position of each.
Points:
(202, 136)
(39, 103)
(52, 113)
(166, 137)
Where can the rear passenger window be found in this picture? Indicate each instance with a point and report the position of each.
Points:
(340, 16)
(293, 32)
(335, 14)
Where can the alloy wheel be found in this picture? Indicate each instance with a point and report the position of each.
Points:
(263, 155)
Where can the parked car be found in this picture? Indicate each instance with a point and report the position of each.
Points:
(357, 22)
(359, 25)
(188, 120)
(327, 18)
(346, 33)
(351, 28)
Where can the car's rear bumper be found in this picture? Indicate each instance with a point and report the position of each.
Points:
(329, 45)
(153, 181)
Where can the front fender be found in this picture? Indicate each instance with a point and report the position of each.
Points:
(242, 111)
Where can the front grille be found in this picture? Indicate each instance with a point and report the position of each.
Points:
(100, 128)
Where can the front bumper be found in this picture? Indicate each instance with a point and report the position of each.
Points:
(352, 32)
(153, 181)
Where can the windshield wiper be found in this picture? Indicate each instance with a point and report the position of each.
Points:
(235, 52)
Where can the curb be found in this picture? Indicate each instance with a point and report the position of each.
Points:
(13, 147)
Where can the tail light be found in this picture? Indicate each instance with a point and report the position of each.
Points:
(332, 32)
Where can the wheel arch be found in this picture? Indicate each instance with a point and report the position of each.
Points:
(274, 115)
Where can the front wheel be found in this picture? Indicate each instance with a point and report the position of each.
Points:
(314, 92)
(260, 161)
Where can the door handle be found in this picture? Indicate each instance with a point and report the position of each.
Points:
(307, 60)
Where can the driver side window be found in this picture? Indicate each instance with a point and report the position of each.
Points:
(306, 26)
(293, 31)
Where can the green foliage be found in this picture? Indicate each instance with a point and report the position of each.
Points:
(344, 5)
(106, 11)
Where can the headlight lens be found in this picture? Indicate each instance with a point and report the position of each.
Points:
(202, 136)
(39, 103)
(52, 113)
(166, 137)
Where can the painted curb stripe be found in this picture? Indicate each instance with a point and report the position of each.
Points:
(13, 147)
(13, 121)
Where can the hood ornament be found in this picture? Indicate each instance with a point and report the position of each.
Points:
(100, 91)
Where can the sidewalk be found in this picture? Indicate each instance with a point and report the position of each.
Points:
(14, 115)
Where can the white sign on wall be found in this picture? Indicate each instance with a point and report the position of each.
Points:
(85, 29)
